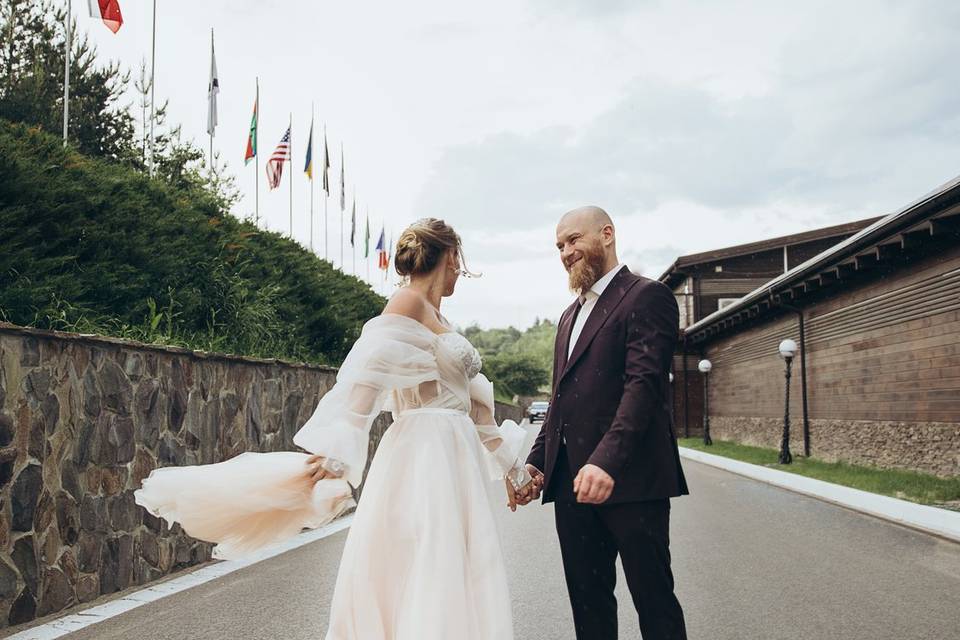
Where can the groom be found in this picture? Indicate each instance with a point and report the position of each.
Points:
(606, 454)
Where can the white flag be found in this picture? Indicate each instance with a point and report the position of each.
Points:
(212, 90)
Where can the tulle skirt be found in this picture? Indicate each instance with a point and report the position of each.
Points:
(246, 502)
(422, 559)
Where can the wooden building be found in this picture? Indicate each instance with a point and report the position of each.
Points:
(706, 282)
(877, 319)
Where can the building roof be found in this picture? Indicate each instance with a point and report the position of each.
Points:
(749, 248)
(886, 239)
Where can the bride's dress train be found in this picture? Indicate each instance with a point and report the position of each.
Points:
(422, 559)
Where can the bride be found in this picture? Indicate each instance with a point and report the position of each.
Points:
(422, 559)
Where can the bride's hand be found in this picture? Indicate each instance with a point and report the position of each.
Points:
(316, 471)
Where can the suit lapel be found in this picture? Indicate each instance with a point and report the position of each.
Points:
(604, 306)
(564, 330)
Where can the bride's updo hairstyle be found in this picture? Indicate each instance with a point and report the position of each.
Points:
(423, 244)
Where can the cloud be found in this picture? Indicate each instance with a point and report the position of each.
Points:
(855, 124)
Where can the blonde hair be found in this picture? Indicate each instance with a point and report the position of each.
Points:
(422, 245)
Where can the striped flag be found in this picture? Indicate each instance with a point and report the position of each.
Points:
(252, 138)
(108, 11)
(353, 221)
(275, 164)
(213, 89)
(366, 237)
(383, 262)
(308, 167)
(326, 163)
(343, 186)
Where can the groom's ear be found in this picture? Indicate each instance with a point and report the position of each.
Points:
(607, 233)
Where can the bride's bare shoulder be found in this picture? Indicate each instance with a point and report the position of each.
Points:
(407, 303)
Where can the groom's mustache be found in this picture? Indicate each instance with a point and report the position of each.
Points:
(569, 262)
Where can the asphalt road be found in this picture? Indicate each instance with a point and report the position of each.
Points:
(751, 561)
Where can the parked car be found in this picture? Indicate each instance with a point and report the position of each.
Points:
(538, 411)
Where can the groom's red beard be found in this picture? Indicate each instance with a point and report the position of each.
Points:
(587, 270)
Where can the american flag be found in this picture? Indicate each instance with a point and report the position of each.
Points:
(275, 164)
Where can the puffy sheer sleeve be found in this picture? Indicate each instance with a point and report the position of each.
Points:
(503, 443)
(393, 352)
(255, 499)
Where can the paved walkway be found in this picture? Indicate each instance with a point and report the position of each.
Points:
(751, 562)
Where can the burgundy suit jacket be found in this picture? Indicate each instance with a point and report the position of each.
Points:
(611, 397)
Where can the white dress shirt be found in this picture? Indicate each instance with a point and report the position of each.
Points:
(589, 302)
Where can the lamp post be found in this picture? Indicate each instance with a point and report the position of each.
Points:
(705, 366)
(788, 349)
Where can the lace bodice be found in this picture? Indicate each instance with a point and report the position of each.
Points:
(464, 351)
(458, 362)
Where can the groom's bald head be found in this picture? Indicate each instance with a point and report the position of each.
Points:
(587, 243)
(589, 216)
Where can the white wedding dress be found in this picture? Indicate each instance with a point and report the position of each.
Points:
(422, 559)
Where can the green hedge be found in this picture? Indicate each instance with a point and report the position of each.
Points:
(95, 246)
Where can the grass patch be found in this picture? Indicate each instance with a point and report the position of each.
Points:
(917, 487)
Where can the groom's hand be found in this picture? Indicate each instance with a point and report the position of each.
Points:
(527, 493)
(592, 485)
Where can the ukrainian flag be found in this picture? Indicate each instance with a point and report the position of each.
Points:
(308, 167)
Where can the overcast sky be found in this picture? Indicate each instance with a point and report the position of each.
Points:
(695, 124)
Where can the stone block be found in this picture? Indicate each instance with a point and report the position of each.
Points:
(24, 495)
(88, 588)
(117, 390)
(68, 518)
(89, 551)
(92, 394)
(57, 593)
(29, 352)
(9, 581)
(24, 608)
(147, 413)
(25, 559)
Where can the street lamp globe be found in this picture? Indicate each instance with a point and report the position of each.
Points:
(705, 366)
(788, 348)
(671, 377)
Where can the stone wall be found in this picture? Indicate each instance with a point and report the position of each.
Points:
(932, 447)
(84, 419)
(503, 411)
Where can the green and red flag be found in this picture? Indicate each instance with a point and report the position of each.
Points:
(252, 138)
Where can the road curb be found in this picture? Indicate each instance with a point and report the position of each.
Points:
(70, 622)
(939, 522)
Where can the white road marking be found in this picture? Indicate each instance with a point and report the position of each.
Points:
(74, 622)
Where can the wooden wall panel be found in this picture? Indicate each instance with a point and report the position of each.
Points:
(888, 350)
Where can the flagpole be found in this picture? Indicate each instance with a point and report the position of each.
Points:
(341, 206)
(211, 90)
(153, 85)
(66, 75)
(290, 162)
(326, 197)
(311, 176)
(353, 232)
(256, 158)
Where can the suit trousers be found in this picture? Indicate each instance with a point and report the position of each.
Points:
(591, 538)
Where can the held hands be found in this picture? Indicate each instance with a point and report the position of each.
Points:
(528, 492)
(319, 468)
(592, 485)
